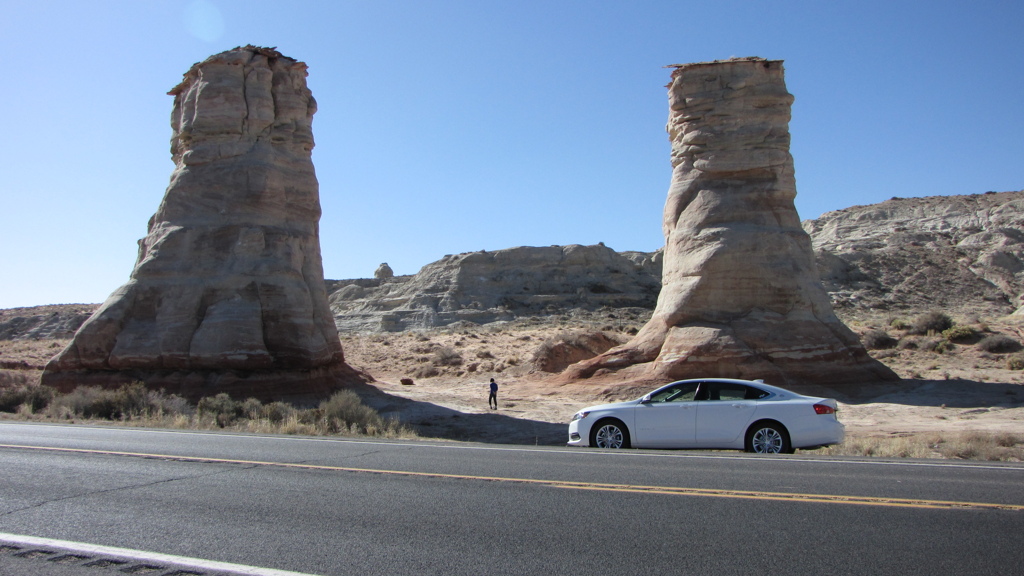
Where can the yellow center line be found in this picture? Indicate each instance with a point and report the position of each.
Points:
(641, 489)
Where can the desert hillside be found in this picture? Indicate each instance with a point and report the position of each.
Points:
(929, 284)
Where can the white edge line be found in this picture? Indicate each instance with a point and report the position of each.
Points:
(568, 450)
(147, 556)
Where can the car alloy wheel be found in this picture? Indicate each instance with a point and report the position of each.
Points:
(610, 436)
(768, 440)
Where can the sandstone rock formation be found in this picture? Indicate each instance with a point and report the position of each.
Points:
(740, 294)
(564, 349)
(227, 294)
(959, 254)
(483, 287)
(383, 272)
(43, 322)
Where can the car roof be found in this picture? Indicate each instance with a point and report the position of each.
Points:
(755, 383)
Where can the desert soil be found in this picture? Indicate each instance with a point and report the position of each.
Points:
(961, 389)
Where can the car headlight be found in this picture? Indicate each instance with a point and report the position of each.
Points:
(579, 415)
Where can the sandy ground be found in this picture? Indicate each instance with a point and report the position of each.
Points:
(961, 389)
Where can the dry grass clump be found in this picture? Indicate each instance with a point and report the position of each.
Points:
(134, 404)
(973, 445)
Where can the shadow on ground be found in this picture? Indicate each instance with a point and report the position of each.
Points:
(433, 421)
(937, 393)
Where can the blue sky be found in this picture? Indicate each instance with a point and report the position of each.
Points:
(453, 126)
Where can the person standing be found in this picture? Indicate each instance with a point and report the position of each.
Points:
(492, 399)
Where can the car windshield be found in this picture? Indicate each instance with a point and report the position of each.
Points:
(675, 393)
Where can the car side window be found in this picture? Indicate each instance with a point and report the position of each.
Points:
(754, 393)
(728, 391)
(680, 393)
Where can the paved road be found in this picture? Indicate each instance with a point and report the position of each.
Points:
(336, 507)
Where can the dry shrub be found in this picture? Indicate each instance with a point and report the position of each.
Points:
(129, 402)
(998, 344)
(933, 322)
(345, 412)
(878, 340)
(221, 407)
(1015, 362)
(988, 446)
(18, 378)
(133, 403)
(446, 356)
(900, 324)
(34, 397)
(277, 412)
(960, 334)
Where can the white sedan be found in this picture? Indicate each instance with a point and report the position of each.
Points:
(711, 413)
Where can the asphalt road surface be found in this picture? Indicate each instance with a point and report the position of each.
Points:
(84, 500)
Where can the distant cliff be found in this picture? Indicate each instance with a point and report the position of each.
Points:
(961, 254)
(484, 287)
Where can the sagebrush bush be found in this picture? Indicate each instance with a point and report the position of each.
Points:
(446, 356)
(277, 411)
(899, 324)
(35, 397)
(877, 340)
(344, 411)
(1015, 362)
(130, 400)
(221, 407)
(998, 344)
(960, 333)
(929, 344)
(933, 321)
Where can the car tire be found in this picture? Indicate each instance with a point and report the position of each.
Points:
(768, 438)
(609, 434)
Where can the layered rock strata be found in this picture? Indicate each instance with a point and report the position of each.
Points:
(227, 294)
(960, 254)
(490, 286)
(740, 293)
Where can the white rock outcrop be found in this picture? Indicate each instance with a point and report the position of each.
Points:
(740, 292)
(227, 294)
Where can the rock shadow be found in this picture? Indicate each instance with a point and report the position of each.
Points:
(430, 420)
(957, 393)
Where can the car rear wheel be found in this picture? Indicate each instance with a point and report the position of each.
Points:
(609, 434)
(768, 438)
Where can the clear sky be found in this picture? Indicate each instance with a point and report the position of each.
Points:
(454, 126)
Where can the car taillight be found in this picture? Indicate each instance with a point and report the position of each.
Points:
(824, 409)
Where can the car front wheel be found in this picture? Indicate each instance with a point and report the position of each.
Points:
(768, 438)
(609, 434)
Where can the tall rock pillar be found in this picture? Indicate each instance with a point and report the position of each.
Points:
(227, 294)
(740, 293)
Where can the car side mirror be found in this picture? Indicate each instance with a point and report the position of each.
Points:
(646, 399)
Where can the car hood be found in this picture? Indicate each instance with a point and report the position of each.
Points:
(612, 406)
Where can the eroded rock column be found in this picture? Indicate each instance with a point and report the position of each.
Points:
(740, 294)
(227, 294)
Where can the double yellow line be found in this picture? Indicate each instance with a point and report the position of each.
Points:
(669, 490)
